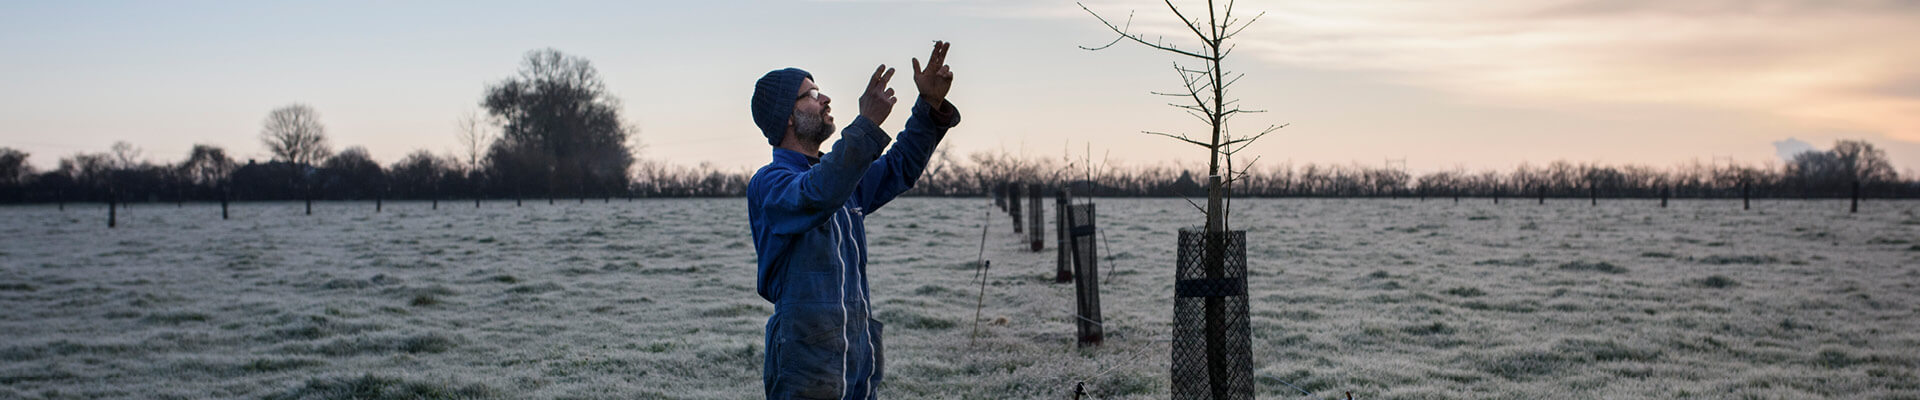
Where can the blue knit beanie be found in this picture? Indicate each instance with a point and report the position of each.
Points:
(773, 98)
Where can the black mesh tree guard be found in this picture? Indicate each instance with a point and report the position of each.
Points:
(1212, 345)
(1086, 272)
(1013, 205)
(1036, 219)
(1063, 254)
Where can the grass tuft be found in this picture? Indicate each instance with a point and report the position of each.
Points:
(265, 365)
(1466, 292)
(913, 320)
(1738, 259)
(1525, 261)
(411, 344)
(736, 310)
(177, 317)
(1716, 282)
(1436, 328)
(535, 289)
(1593, 266)
(371, 387)
(1521, 365)
(1606, 350)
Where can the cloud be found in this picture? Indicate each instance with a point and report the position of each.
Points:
(1790, 147)
(1824, 64)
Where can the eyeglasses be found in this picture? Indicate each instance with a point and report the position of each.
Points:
(810, 94)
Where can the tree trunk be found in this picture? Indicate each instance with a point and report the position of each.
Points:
(113, 211)
(1215, 266)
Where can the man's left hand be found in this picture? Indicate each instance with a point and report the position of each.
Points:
(936, 78)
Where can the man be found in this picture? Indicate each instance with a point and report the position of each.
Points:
(808, 211)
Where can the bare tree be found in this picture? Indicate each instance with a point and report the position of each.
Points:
(207, 166)
(1204, 98)
(125, 156)
(475, 135)
(294, 134)
(14, 168)
(1861, 162)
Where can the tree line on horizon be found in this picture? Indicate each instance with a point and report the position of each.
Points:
(554, 131)
(207, 174)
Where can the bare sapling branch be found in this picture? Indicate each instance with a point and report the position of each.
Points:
(1124, 34)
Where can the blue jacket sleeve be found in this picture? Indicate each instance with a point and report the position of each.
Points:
(796, 201)
(897, 171)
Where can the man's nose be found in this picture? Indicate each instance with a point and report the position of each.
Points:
(824, 99)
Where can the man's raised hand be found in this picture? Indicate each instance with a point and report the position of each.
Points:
(936, 78)
(878, 100)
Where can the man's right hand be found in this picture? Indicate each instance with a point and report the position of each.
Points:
(878, 100)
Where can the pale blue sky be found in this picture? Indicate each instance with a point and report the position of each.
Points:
(1481, 85)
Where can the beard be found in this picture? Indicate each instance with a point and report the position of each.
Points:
(811, 128)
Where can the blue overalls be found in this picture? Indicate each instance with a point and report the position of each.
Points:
(808, 218)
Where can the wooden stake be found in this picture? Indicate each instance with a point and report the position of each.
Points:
(1746, 196)
(1856, 198)
(1063, 259)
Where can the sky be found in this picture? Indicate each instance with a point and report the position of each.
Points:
(1476, 85)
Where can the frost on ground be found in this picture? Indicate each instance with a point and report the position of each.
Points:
(1388, 299)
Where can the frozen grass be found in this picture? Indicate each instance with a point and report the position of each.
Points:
(1389, 299)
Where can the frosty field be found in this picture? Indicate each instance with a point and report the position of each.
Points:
(1388, 299)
